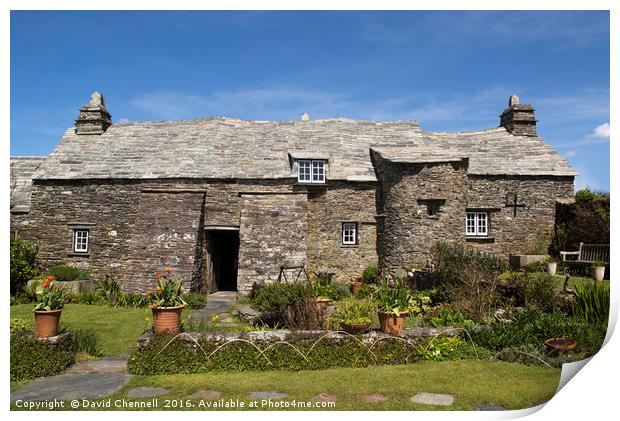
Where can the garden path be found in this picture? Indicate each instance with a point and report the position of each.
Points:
(219, 306)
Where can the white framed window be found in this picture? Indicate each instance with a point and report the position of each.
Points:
(477, 224)
(349, 233)
(80, 240)
(311, 171)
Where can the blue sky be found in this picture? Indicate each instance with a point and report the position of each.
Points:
(448, 70)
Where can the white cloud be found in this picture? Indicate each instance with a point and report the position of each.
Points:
(122, 120)
(600, 132)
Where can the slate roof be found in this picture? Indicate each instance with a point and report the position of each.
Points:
(22, 169)
(225, 148)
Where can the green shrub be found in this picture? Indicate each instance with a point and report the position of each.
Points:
(23, 263)
(109, 284)
(86, 340)
(352, 311)
(275, 297)
(194, 300)
(592, 302)
(447, 316)
(87, 297)
(371, 274)
(18, 325)
(530, 289)
(181, 356)
(532, 327)
(536, 267)
(31, 358)
(130, 300)
(65, 273)
(444, 348)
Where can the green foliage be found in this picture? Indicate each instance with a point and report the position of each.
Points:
(32, 358)
(444, 348)
(23, 263)
(109, 284)
(86, 340)
(592, 303)
(371, 274)
(530, 289)
(168, 291)
(447, 316)
(50, 296)
(452, 259)
(194, 301)
(393, 296)
(19, 325)
(532, 327)
(275, 297)
(186, 357)
(586, 195)
(131, 300)
(324, 286)
(64, 273)
(354, 311)
(536, 267)
(86, 297)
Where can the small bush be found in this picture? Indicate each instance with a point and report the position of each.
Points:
(371, 274)
(31, 358)
(23, 263)
(130, 300)
(443, 316)
(275, 297)
(444, 348)
(86, 341)
(18, 325)
(530, 289)
(65, 273)
(87, 297)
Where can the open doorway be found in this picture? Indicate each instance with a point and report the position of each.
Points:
(222, 259)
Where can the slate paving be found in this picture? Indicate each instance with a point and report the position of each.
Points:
(72, 386)
(206, 394)
(218, 304)
(267, 394)
(103, 365)
(438, 399)
(325, 397)
(146, 392)
(374, 398)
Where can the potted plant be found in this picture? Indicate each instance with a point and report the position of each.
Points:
(598, 271)
(166, 303)
(356, 285)
(48, 308)
(552, 265)
(393, 300)
(354, 316)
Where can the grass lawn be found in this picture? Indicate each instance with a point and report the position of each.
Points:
(472, 383)
(576, 280)
(117, 328)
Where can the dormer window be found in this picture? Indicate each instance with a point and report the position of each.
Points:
(311, 171)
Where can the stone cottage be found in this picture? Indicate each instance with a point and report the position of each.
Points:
(229, 202)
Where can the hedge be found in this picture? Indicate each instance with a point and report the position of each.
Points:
(165, 355)
(31, 357)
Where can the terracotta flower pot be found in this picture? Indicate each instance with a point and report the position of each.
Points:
(598, 273)
(560, 344)
(391, 323)
(355, 287)
(355, 328)
(167, 319)
(46, 322)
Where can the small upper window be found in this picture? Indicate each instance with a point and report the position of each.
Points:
(311, 171)
(477, 224)
(349, 233)
(80, 240)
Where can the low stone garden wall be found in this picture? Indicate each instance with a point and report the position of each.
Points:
(196, 352)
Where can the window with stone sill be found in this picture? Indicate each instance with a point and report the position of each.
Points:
(477, 224)
(349, 233)
(311, 171)
(80, 240)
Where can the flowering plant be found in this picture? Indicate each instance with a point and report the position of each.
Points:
(393, 296)
(168, 291)
(50, 296)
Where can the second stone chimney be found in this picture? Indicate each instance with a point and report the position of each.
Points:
(93, 118)
(519, 118)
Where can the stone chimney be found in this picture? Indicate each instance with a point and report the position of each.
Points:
(518, 118)
(93, 118)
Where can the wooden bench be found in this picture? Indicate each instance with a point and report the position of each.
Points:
(587, 253)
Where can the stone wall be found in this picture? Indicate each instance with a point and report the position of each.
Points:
(272, 233)
(408, 231)
(138, 227)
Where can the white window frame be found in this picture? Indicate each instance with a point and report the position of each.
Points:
(349, 234)
(477, 224)
(314, 171)
(81, 241)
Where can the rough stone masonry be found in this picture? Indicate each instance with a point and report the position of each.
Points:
(228, 202)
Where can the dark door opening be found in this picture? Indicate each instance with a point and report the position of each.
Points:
(223, 254)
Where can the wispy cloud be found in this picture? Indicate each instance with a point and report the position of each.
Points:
(601, 132)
